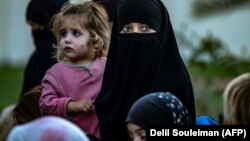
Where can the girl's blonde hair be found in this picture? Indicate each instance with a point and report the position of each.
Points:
(236, 100)
(92, 17)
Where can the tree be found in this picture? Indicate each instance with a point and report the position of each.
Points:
(203, 8)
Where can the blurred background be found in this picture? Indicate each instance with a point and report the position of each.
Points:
(213, 38)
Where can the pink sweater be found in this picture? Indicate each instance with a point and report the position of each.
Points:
(63, 83)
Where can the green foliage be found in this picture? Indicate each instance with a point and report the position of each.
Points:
(208, 89)
(203, 8)
(211, 67)
(10, 85)
(212, 56)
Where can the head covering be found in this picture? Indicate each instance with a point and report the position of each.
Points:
(110, 6)
(138, 64)
(161, 108)
(139, 12)
(47, 128)
(41, 11)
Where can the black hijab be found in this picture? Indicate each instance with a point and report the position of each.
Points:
(139, 64)
(161, 108)
(110, 6)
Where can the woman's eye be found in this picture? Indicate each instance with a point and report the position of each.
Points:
(145, 28)
(125, 29)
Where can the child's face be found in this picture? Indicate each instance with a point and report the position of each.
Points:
(136, 133)
(74, 41)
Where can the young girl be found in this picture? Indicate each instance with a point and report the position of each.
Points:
(70, 86)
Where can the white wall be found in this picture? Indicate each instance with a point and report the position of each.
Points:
(15, 39)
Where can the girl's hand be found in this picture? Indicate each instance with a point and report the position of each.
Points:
(83, 105)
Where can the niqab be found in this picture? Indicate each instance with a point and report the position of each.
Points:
(139, 64)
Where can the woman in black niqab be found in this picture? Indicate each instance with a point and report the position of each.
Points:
(139, 64)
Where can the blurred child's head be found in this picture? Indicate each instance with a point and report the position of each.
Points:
(47, 128)
(236, 100)
(27, 107)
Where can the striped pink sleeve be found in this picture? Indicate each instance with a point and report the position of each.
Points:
(51, 103)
